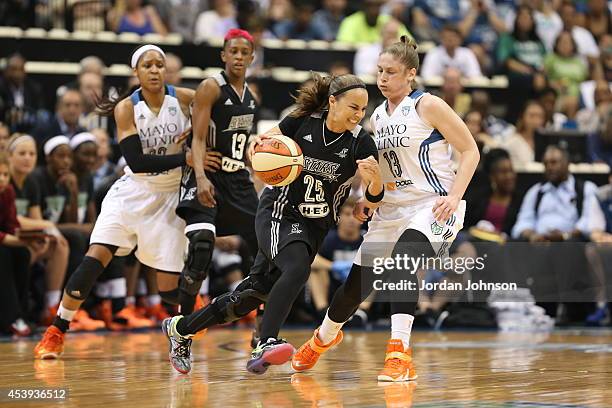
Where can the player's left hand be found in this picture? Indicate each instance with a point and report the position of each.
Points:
(254, 141)
(361, 211)
(369, 170)
(445, 207)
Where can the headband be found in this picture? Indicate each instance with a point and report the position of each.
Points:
(54, 142)
(238, 33)
(81, 138)
(140, 51)
(18, 140)
(348, 88)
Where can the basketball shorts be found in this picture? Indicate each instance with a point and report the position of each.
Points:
(236, 206)
(390, 221)
(134, 216)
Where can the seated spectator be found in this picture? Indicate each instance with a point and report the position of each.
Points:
(495, 126)
(21, 99)
(450, 54)
(257, 27)
(5, 134)
(301, 26)
(498, 201)
(69, 109)
(174, 65)
(180, 16)
(552, 211)
(590, 120)
(91, 87)
(599, 215)
(553, 119)
(585, 43)
(520, 55)
(278, 10)
(85, 154)
(54, 252)
(521, 145)
(213, 24)
(327, 20)
(365, 27)
(366, 57)
(15, 261)
(104, 169)
(129, 16)
(475, 123)
(452, 92)
(600, 144)
(598, 19)
(428, 18)
(565, 71)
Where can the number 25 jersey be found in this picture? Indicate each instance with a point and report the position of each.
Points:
(415, 159)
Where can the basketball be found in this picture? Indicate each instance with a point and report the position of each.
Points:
(278, 161)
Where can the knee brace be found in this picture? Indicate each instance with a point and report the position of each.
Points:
(201, 245)
(84, 277)
(249, 294)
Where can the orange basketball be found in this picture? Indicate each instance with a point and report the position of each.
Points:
(278, 161)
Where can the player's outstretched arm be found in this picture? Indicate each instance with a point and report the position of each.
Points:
(439, 115)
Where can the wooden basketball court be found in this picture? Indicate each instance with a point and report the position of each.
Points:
(456, 369)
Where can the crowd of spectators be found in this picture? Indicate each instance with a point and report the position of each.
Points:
(556, 54)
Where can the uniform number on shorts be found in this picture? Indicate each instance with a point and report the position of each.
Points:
(394, 163)
(238, 143)
(314, 190)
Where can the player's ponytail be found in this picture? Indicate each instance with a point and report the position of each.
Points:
(405, 51)
(106, 106)
(314, 96)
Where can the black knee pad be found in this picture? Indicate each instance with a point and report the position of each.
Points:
(249, 294)
(201, 245)
(84, 277)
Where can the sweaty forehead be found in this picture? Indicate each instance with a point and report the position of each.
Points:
(151, 56)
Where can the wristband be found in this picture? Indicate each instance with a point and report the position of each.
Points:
(376, 198)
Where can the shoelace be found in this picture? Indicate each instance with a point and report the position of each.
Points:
(53, 337)
(182, 350)
(394, 363)
(309, 353)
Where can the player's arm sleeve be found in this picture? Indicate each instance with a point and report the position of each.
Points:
(131, 148)
(290, 125)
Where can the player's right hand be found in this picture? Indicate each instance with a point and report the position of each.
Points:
(361, 211)
(206, 191)
(212, 161)
(255, 140)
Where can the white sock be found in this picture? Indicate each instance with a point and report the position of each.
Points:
(130, 300)
(117, 288)
(65, 314)
(204, 287)
(601, 305)
(401, 326)
(153, 300)
(52, 297)
(328, 330)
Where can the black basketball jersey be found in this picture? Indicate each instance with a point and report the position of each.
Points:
(231, 122)
(329, 166)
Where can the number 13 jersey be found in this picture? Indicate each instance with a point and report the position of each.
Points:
(415, 159)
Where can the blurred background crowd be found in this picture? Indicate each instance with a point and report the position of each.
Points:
(532, 80)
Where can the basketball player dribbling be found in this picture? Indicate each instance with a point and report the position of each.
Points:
(414, 131)
(139, 210)
(293, 220)
(222, 200)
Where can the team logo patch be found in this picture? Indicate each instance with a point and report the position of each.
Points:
(295, 229)
(405, 110)
(252, 104)
(172, 110)
(342, 153)
(308, 138)
(436, 229)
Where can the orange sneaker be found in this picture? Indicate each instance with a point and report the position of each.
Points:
(83, 322)
(131, 320)
(156, 312)
(51, 345)
(398, 363)
(308, 355)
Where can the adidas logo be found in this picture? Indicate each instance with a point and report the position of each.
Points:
(228, 102)
(141, 117)
(308, 137)
(377, 116)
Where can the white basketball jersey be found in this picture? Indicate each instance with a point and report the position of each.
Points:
(415, 159)
(159, 135)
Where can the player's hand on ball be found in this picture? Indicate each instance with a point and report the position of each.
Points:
(361, 211)
(369, 169)
(255, 140)
(445, 207)
(212, 161)
(206, 191)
